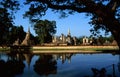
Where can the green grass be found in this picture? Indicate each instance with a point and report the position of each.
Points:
(86, 49)
(4, 49)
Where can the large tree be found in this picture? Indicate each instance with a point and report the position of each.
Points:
(5, 24)
(105, 13)
(7, 8)
(45, 30)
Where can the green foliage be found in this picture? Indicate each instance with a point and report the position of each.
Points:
(100, 40)
(45, 29)
(15, 33)
(80, 39)
(7, 7)
(5, 25)
(10, 5)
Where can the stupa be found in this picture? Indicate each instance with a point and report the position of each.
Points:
(16, 43)
(26, 41)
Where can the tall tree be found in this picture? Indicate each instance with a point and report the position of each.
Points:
(105, 13)
(45, 29)
(5, 24)
(7, 8)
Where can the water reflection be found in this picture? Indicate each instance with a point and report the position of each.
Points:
(11, 67)
(103, 71)
(45, 65)
(57, 65)
(63, 57)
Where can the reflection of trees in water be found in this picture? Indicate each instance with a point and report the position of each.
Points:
(11, 68)
(15, 56)
(103, 71)
(21, 57)
(45, 65)
(14, 64)
(99, 73)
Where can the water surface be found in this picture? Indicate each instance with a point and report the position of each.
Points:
(59, 65)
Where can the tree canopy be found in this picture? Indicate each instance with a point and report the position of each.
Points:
(7, 7)
(5, 25)
(45, 30)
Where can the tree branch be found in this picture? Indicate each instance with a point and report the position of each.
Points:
(70, 7)
(114, 6)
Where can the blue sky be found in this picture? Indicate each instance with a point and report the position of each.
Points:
(77, 23)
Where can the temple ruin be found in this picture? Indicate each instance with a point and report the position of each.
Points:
(26, 41)
(64, 40)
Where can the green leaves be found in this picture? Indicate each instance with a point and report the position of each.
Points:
(10, 4)
(45, 29)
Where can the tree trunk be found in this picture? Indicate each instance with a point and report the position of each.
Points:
(116, 35)
(108, 19)
(115, 30)
(113, 25)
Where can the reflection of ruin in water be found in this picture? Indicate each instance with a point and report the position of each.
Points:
(12, 66)
(21, 56)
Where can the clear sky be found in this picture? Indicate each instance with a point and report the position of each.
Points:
(77, 23)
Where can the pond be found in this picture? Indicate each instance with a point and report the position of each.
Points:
(59, 65)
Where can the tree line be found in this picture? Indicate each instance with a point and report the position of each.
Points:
(9, 32)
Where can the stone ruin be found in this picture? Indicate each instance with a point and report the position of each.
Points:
(25, 42)
(85, 41)
(64, 39)
(16, 43)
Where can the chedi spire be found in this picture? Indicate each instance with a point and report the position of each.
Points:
(26, 41)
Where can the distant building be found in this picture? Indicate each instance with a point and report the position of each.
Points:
(64, 40)
(87, 41)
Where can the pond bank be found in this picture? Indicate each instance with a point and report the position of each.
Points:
(70, 49)
(73, 49)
